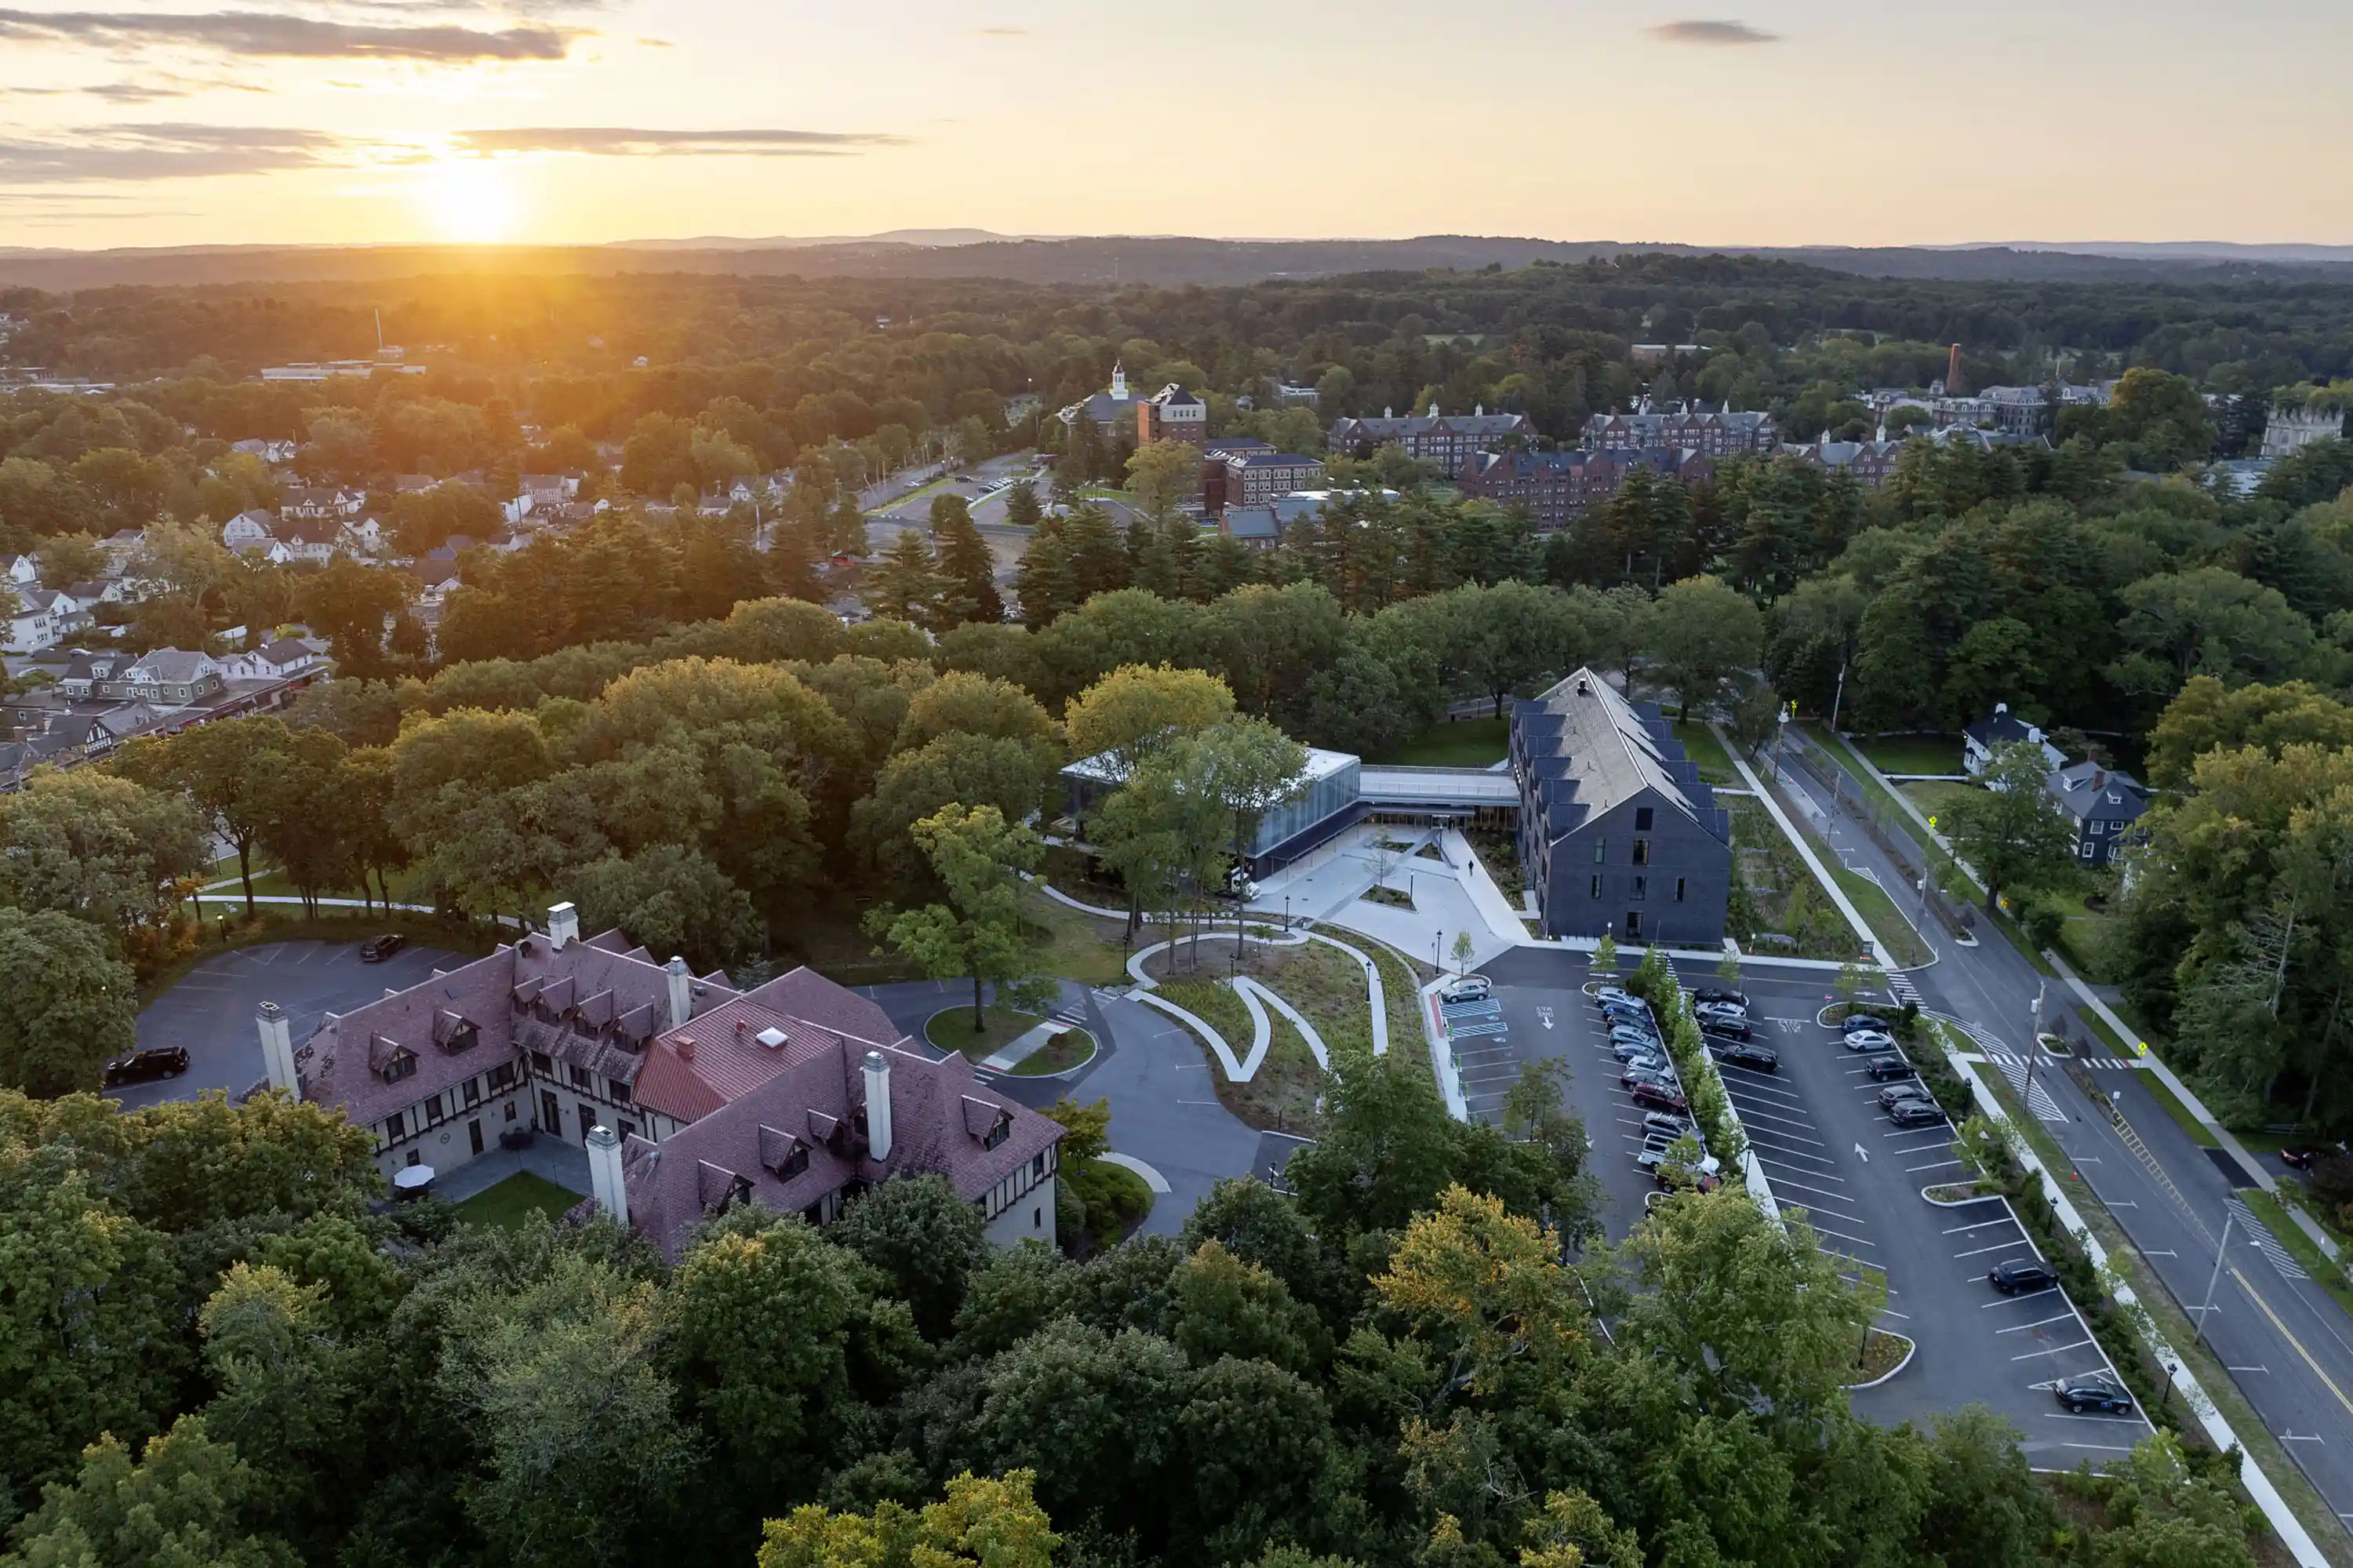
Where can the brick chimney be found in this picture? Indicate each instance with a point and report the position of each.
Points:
(278, 1047)
(563, 926)
(878, 1105)
(605, 1172)
(682, 991)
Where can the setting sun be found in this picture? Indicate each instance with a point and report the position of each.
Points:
(470, 199)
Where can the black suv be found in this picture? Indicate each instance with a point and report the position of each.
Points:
(1718, 994)
(375, 950)
(2092, 1390)
(140, 1066)
(1884, 1068)
(2021, 1274)
(1740, 1054)
(1915, 1113)
(1726, 1028)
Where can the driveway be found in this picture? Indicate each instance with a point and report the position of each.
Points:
(211, 1009)
(1164, 1112)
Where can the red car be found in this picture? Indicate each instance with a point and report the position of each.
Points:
(1658, 1096)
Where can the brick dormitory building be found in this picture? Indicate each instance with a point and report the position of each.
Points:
(689, 1095)
(1558, 486)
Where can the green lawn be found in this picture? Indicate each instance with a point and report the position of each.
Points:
(951, 1028)
(1913, 753)
(1933, 797)
(510, 1202)
(1059, 1054)
(2197, 1129)
(1701, 747)
(1463, 743)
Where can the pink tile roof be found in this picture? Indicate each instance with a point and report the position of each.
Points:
(728, 1059)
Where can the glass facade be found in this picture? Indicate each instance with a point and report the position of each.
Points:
(1335, 781)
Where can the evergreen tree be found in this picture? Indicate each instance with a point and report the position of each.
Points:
(966, 562)
(905, 584)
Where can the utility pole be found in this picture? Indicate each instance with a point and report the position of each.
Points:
(2034, 1044)
(1838, 696)
(2221, 1248)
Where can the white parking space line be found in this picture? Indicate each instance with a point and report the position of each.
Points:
(2107, 1420)
(2039, 1322)
(1760, 1116)
(1826, 1231)
(2053, 1350)
(1932, 1165)
(2009, 1300)
(1981, 1226)
(1981, 1251)
(1817, 1175)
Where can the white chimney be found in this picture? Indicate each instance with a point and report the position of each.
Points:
(682, 993)
(563, 926)
(605, 1172)
(277, 1048)
(878, 1105)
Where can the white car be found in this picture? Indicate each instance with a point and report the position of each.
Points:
(1870, 1040)
(1470, 988)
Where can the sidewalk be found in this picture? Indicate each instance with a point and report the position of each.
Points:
(1829, 884)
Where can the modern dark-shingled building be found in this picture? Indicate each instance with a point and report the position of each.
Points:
(1617, 836)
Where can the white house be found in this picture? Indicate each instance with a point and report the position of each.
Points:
(2000, 728)
(47, 616)
(251, 530)
(272, 662)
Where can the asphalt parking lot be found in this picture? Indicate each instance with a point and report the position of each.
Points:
(1826, 1148)
(210, 1010)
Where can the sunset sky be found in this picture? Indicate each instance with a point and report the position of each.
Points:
(1787, 122)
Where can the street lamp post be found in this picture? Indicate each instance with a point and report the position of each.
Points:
(2221, 1249)
(2034, 1044)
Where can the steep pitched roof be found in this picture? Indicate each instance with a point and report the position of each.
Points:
(1590, 751)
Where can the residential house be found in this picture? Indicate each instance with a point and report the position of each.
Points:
(2002, 727)
(321, 501)
(23, 571)
(2103, 807)
(551, 489)
(363, 535)
(45, 617)
(1617, 834)
(1870, 463)
(1715, 433)
(250, 531)
(123, 547)
(1446, 441)
(689, 1095)
(271, 452)
(311, 539)
(165, 677)
(281, 659)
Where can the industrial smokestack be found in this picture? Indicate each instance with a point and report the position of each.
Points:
(1953, 373)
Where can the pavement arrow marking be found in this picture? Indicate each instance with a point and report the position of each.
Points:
(1864, 1153)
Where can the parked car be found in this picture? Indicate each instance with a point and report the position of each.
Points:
(1660, 1124)
(1854, 1021)
(1665, 1171)
(1726, 1028)
(1870, 1040)
(2092, 1390)
(1627, 1035)
(2021, 1274)
(1659, 1096)
(1718, 993)
(1740, 1054)
(1637, 1056)
(375, 950)
(1627, 1012)
(1470, 988)
(1629, 1074)
(1915, 1113)
(1887, 1068)
(144, 1067)
(1707, 1010)
(1899, 1094)
(1610, 993)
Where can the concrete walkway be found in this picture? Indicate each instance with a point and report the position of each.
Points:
(1257, 999)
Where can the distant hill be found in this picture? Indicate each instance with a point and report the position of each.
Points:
(1156, 259)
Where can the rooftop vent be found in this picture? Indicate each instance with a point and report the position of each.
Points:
(773, 1038)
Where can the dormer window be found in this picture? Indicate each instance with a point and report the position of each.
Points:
(998, 1132)
(398, 1065)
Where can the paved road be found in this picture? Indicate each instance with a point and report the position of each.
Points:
(1155, 1074)
(1826, 1148)
(210, 1010)
(2285, 1343)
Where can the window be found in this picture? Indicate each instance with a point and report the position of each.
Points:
(1000, 1132)
(395, 1128)
(630, 1129)
(1597, 887)
(502, 1076)
(1038, 1166)
(473, 1091)
(1679, 890)
(402, 1064)
(588, 1122)
(1633, 925)
(1600, 848)
(1643, 815)
(543, 1063)
(617, 1091)
(433, 1111)
(513, 1114)
(1641, 888)
(582, 1079)
(1038, 1219)
(1642, 852)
